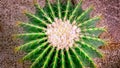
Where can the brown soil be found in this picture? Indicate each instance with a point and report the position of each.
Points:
(10, 12)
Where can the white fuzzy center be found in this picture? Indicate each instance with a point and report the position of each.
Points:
(62, 34)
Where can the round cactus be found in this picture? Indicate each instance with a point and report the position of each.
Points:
(61, 36)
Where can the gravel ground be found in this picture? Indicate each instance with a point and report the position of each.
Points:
(10, 12)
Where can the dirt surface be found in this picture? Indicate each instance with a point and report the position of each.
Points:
(10, 12)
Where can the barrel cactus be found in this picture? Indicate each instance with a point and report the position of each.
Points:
(61, 35)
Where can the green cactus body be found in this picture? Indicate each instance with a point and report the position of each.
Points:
(61, 36)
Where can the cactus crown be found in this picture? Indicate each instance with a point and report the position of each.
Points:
(61, 36)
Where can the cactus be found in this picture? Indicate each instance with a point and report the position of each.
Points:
(61, 36)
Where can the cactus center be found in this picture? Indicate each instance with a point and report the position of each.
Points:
(62, 34)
